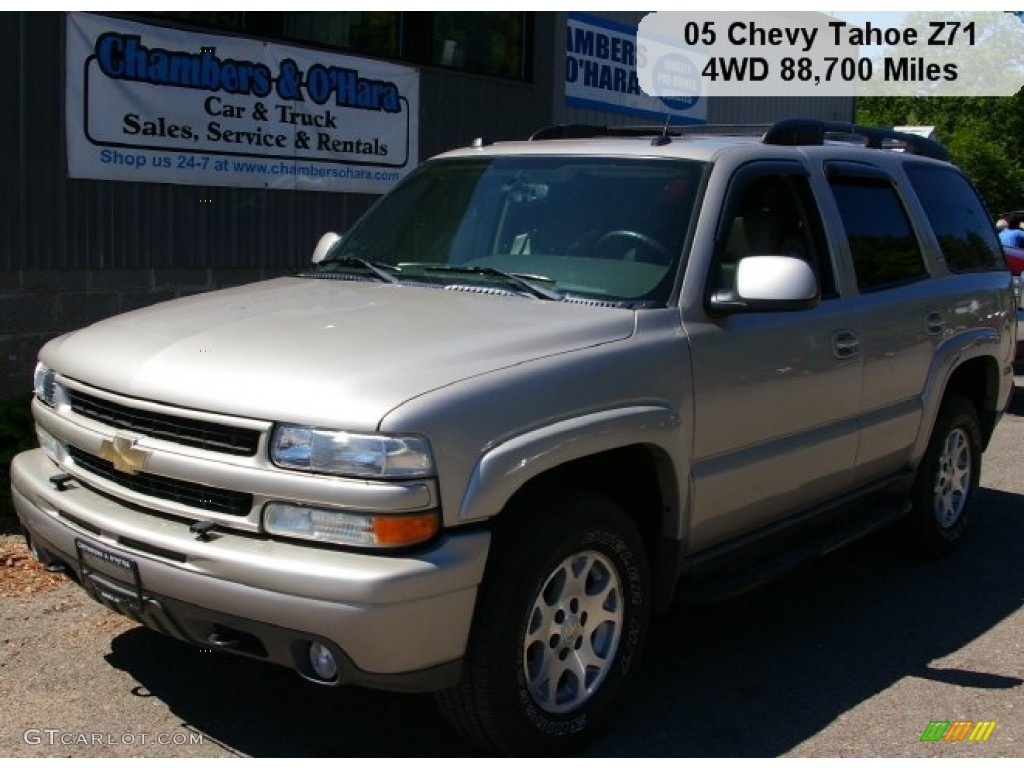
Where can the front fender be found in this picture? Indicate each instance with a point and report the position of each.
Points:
(506, 467)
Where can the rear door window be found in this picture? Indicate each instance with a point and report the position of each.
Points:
(883, 245)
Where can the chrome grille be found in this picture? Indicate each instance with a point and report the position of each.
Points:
(176, 429)
(189, 494)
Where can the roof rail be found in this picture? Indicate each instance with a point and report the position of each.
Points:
(796, 132)
(792, 132)
(584, 131)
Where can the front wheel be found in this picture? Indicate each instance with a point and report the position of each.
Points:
(561, 619)
(947, 479)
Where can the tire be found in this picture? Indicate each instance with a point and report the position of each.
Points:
(947, 480)
(35, 550)
(567, 590)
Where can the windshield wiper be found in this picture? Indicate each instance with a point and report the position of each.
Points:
(520, 281)
(377, 270)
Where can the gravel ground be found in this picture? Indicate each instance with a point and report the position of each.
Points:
(47, 697)
(77, 680)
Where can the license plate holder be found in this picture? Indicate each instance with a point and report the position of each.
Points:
(112, 577)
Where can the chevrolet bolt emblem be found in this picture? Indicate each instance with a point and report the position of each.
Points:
(121, 451)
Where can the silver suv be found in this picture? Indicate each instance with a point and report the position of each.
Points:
(537, 391)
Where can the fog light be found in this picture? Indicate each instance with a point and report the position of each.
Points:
(322, 661)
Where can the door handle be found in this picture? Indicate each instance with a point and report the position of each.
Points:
(845, 344)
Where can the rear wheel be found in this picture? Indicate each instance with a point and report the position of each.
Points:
(947, 479)
(560, 623)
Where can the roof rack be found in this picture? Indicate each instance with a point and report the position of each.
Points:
(585, 131)
(796, 132)
(792, 132)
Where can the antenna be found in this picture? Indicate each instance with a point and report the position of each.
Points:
(660, 141)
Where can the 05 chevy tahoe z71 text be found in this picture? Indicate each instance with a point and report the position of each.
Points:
(540, 388)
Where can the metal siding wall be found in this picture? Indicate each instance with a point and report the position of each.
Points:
(107, 224)
(61, 223)
(757, 111)
(457, 108)
(130, 225)
(12, 172)
(36, 160)
(53, 222)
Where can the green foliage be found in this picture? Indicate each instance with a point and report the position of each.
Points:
(999, 179)
(983, 134)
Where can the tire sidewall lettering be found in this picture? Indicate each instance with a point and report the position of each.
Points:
(608, 543)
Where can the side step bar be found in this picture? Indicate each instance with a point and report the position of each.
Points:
(714, 580)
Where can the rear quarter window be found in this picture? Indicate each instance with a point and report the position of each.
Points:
(958, 218)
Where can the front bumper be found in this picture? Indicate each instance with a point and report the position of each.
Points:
(395, 622)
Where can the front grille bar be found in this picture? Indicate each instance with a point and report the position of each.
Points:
(196, 433)
(193, 495)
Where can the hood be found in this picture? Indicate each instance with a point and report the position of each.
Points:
(321, 352)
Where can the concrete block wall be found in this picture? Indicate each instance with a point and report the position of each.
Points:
(37, 305)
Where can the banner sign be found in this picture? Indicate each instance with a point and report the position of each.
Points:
(601, 61)
(147, 103)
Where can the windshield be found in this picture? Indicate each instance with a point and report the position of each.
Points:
(610, 229)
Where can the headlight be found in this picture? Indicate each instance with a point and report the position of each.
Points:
(353, 529)
(385, 457)
(44, 385)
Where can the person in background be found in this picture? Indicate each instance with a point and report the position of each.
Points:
(1012, 235)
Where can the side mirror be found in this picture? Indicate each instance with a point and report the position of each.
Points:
(324, 245)
(769, 283)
